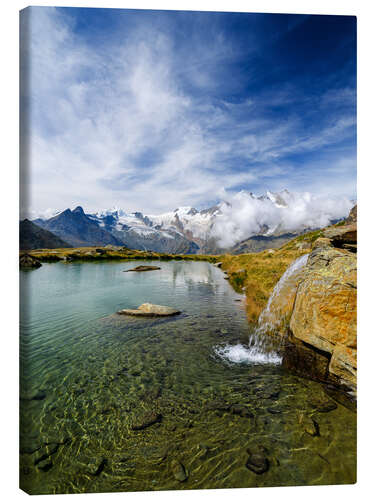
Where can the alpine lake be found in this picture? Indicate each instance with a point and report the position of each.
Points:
(116, 403)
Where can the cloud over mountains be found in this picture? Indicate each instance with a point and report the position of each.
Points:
(161, 109)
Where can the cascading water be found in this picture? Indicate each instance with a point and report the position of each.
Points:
(269, 319)
(262, 348)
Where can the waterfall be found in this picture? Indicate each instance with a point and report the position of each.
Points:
(263, 348)
(269, 319)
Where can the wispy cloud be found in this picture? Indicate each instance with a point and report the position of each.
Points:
(147, 119)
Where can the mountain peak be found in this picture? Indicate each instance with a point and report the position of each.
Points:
(78, 210)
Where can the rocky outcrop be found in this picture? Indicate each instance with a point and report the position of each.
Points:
(150, 310)
(352, 218)
(28, 262)
(315, 310)
(324, 315)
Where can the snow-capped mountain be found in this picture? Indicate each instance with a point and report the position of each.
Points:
(188, 230)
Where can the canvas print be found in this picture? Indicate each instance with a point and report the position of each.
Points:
(188, 239)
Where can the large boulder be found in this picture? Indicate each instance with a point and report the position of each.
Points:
(150, 310)
(315, 309)
(324, 315)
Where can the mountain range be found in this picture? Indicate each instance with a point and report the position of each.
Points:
(256, 225)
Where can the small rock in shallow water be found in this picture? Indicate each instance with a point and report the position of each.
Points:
(274, 411)
(145, 421)
(96, 466)
(143, 268)
(203, 450)
(45, 465)
(150, 310)
(178, 470)
(312, 427)
(326, 406)
(258, 463)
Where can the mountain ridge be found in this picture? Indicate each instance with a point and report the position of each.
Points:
(248, 223)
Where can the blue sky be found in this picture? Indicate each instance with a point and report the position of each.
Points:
(149, 110)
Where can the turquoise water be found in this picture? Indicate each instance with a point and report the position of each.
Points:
(113, 403)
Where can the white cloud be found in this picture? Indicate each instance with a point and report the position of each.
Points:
(112, 125)
(247, 215)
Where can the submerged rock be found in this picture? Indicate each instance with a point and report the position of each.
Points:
(312, 427)
(146, 420)
(178, 470)
(139, 269)
(151, 310)
(95, 466)
(45, 465)
(257, 462)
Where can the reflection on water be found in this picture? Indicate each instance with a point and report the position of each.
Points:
(113, 403)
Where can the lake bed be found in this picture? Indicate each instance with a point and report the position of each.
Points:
(116, 403)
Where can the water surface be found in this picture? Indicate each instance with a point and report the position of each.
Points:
(89, 376)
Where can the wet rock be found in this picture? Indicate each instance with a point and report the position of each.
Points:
(312, 427)
(140, 269)
(150, 310)
(145, 421)
(203, 450)
(37, 395)
(178, 470)
(96, 466)
(274, 411)
(45, 452)
(29, 446)
(342, 397)
(257, 462)
(45, 465)
(326, 406)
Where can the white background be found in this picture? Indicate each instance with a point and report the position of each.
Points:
(364, 10)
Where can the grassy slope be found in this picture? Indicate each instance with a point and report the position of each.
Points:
(256, 274)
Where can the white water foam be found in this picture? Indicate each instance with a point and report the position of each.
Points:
(248, 355)
(262, 349)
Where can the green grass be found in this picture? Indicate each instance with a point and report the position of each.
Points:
(102, 253)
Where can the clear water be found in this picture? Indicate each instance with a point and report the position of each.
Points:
(88, 376)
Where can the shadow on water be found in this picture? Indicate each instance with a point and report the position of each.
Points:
(113, 403)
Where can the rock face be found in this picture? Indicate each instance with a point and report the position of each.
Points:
(352, 215)
(150, 310)
(317, 311)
